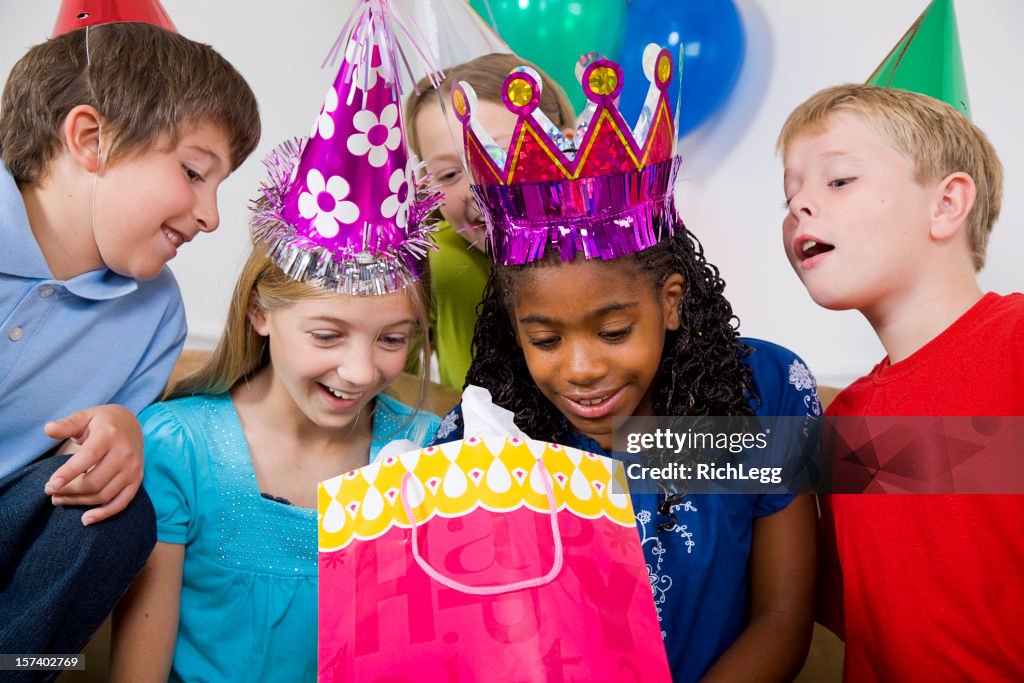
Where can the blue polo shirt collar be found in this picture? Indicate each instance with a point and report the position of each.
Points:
(23, 258)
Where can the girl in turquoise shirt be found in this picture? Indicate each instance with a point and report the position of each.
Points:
(291, 396)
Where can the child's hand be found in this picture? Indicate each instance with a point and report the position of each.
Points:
(107, 469)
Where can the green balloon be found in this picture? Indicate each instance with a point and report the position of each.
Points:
(554, 33)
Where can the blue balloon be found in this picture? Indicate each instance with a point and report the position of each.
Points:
(711, 36)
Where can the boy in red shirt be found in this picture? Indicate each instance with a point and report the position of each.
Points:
(892, 196)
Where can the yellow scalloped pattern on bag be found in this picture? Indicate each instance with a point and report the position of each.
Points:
(449, 480)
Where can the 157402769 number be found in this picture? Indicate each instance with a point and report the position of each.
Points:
(41, 662)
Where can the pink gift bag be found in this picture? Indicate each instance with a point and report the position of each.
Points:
(485, 560)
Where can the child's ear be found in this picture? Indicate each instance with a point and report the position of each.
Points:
(258, 320)
(956, 195)
(671, 295)
(81, 136)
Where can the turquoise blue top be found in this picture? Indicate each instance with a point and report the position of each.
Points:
(71, 344)
(249, 592)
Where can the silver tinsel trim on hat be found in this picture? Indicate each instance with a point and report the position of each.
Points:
(364, 273)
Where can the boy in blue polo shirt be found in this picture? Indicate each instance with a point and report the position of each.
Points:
(114, 140)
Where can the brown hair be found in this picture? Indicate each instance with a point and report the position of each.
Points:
(487, 74)
(934, 136)
(242, 352)
(146, 82)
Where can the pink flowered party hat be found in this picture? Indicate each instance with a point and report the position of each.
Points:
(341, 210)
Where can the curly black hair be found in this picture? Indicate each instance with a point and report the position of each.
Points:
(701, 373)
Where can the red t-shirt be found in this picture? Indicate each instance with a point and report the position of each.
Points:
(933, 585)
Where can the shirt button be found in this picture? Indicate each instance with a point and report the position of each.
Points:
(45, 292)
(15, 334)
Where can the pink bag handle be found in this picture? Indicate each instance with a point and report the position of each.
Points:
(498, 589)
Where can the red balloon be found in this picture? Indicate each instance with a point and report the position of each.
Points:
(75, 14)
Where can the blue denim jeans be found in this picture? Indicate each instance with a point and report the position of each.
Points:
(59, 579)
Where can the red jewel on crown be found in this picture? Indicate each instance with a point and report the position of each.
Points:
(606, 193)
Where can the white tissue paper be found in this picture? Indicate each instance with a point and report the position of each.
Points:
(480, 417)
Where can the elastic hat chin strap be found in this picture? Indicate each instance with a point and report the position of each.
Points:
(99, 139)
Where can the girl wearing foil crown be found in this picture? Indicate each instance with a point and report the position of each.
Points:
(600, 305)
(321, 322)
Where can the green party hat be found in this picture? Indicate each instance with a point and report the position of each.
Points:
(927, 59)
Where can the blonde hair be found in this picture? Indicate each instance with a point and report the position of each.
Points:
(242, 352)
(934, 136)
(487, 74)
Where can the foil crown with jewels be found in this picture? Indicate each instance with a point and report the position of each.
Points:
(606, 192)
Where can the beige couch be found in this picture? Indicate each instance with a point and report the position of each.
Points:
(824, 662)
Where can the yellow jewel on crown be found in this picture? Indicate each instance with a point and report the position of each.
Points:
(520, 92)
(603, 80)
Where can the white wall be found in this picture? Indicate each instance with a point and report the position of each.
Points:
(732, 188)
